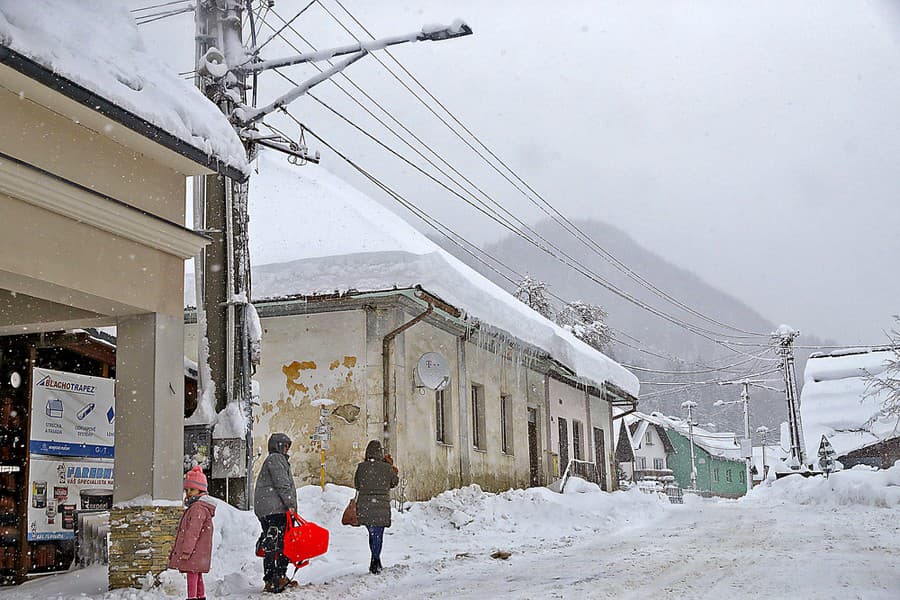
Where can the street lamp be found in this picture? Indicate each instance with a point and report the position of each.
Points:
(690, 405)
(764, 432)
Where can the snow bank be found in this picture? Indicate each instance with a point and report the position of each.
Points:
(96, 44)
(320, 235)
(858, 486)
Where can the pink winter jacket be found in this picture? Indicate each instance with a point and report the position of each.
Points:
(192, 551)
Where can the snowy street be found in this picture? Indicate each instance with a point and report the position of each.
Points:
(795, 538)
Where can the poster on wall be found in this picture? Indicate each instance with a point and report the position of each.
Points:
(59, 488)
(72, 415)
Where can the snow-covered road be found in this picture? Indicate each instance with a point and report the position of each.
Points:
(714, 550)
(796, 539)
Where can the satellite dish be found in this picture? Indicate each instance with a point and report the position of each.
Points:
(434, 371)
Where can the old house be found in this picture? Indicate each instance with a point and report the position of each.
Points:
(838, 403)
(96, 141)
(644, 449)
(461, 382)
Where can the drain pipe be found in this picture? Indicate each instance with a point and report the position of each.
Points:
(386, 370)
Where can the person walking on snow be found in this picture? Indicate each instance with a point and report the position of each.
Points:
(275, 495)
(192, 551)
(375, 477)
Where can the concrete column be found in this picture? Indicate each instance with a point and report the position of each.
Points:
(149, 407)
(462, 427)
(149, 446)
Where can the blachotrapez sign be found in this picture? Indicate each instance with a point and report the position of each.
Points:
(72, 415)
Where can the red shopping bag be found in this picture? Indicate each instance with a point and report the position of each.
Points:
(303, 540)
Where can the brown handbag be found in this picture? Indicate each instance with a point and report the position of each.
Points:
(350, 517)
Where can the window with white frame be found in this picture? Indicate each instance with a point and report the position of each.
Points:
(659, 464)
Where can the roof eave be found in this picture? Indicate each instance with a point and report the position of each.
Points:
(110, 110)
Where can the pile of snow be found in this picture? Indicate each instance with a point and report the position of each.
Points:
(860, 485)
(835, 402)
(466, 522)
(321, 236)
(96, 44)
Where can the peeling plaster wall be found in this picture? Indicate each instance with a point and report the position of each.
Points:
(428, 466)
(500, 374)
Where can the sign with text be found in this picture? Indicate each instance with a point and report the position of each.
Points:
(72, 415)
(57, 489)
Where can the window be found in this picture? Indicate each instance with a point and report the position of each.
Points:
(715, 474)
(478, 437)
(506, 430)
(728, 476)
(658, 464)
(577, 437)
(741, 477)
(642, 463)
(442, 417)
(648, 439)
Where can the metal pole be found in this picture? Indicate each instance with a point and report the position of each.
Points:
(745, 398)
(690, 408)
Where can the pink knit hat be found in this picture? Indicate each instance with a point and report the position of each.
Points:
(195, 479)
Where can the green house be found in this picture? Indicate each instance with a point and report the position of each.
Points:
(716, 475)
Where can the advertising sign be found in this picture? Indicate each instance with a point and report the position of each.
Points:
(57, 489)
(72, 415)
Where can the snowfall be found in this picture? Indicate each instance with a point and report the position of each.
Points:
(792, 538)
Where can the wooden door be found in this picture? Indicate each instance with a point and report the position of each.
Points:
(600, 455)
(563, 445)
(533, 456)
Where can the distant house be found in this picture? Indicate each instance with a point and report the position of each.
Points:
(360, 308)
(836, 403)
(720, 469)
(644, 449)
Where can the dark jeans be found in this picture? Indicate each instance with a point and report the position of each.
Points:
(272, 542)
(376, 537)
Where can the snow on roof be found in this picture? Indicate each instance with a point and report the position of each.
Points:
(834, 401)
(324, 236)
(722, 444)
(95, 44)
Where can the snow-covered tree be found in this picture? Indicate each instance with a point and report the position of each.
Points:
(887, 384)
(534, 293)
(587, 322)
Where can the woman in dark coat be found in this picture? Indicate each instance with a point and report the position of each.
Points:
(374, 479)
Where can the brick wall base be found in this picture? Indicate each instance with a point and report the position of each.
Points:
(140, 541)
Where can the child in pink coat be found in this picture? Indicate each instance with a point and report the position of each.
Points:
(192, 551)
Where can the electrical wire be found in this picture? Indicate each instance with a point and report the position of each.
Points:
(144, 19)
(494, 216)
(164, 4)
(554, 214)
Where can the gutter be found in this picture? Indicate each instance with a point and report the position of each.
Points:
(105, 107)
(386, 370)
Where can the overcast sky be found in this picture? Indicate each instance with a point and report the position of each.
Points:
(755, 143)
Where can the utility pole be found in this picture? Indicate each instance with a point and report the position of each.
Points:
(764, 432)
(746, 442)
(784, 340)
(220, 211)
(220, 204)
(690, 406)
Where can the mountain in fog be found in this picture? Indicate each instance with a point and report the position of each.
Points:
(646, 341)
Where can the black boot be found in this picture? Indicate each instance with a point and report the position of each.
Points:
(375, 567)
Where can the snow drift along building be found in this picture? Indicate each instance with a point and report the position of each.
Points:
(353, 298)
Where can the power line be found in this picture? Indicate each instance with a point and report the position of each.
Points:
(570, 261)
(164, 4)
(555, 214)
(144, 19)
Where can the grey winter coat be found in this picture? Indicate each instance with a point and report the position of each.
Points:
(275, 489)
(374, 480)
